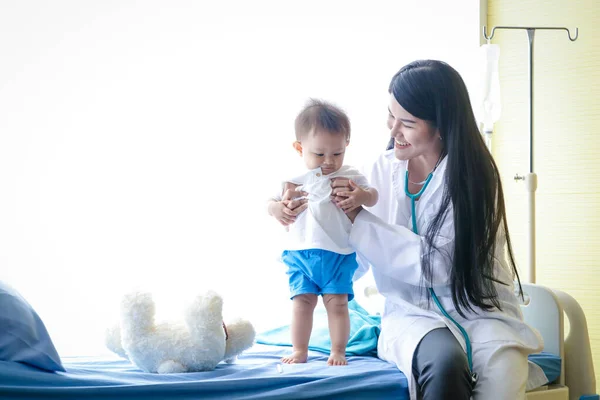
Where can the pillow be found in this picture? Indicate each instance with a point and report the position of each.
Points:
(23, 336)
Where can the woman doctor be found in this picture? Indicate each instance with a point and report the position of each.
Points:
(438, 245)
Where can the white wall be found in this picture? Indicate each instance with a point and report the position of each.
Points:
(138, 140)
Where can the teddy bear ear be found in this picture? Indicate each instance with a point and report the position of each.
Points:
(137, 297)
(208, 306)
(210, 294)
(241, 337)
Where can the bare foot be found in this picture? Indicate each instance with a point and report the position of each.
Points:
(297, 357)
(337, 359)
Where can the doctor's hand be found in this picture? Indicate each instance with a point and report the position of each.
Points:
(291, 205)
(295, 200)
(348, 196)
(280, 211)
(352, 214)
(339, 186)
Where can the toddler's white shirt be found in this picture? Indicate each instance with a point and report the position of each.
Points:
(323, 225)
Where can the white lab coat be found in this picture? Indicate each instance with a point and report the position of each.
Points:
(384, 242)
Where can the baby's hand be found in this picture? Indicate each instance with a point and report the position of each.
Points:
(289, 187)
(354, 198)
(280, 211)
(292, 204)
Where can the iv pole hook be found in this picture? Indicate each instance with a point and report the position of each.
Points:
(488, 38)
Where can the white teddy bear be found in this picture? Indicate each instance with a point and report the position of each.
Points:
(198, 345)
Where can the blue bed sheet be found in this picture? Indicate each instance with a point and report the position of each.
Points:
(255, 375)
(549, 363)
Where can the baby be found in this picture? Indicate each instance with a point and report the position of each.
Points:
(319, 258)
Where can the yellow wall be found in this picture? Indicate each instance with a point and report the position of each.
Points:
(566, 143)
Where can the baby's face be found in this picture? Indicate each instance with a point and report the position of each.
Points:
(323, 149)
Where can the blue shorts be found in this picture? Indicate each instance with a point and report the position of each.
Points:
(320, 272)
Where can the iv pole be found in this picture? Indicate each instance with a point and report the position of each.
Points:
(530, 179)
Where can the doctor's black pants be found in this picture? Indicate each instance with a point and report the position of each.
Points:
(441, 368)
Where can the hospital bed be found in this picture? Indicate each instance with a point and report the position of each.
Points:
(549, 310)
(561, 322)
(257, 374)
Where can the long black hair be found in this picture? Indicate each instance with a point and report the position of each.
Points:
(433, 91)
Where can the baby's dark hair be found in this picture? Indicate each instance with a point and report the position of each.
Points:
(321, 115)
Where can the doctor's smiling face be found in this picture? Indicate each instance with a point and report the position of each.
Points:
(412, 136)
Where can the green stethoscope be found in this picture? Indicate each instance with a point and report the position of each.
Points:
(413, 198)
